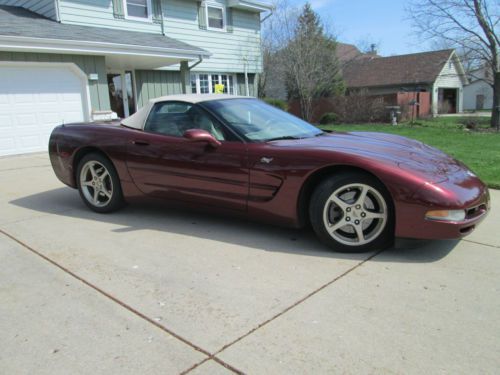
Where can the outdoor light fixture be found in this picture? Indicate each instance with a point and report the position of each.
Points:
(446, 215)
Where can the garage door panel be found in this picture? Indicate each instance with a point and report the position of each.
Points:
(33, 100)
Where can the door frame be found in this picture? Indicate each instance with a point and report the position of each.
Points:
(86, 103)
(122, 72)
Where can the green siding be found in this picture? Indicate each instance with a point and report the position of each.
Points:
(151, 84)
(99, 95)
(100, 13)
(231, 50)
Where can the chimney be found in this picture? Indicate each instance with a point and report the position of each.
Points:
(373, 49)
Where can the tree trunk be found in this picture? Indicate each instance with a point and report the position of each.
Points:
(495, 110)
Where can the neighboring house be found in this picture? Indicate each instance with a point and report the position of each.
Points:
(439, 73)
(64, 61)
(478, 94)
(347, 53)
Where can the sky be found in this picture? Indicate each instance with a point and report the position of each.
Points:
(377, 21)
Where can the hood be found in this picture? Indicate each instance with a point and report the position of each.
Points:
(410, 155)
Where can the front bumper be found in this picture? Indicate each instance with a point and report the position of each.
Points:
(412, 223)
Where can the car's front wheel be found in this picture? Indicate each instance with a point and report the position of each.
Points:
(352, 212)
(98, 183)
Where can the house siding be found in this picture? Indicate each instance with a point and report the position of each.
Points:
(151, 84)
(46, 8)
(477, 88)
(98, 90)
(99, 13)
(448, 78)
(231, 51)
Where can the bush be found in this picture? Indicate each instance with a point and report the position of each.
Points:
(278, 103)
(328, 118)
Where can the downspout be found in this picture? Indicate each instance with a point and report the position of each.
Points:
(58, 15)
(266, 17)
(200, 60)
(247, 88)
(161, 18)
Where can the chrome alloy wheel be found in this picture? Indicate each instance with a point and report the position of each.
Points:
(355, 214)
(96, 183)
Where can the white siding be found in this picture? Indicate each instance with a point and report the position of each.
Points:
(473, 90)
(46, 8)
(448, 78)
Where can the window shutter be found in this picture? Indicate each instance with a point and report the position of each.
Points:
(157, 11)
(229, 20)
(118, 9)
(202, 17)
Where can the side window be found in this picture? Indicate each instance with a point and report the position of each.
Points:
(169, 118)
(174, 118)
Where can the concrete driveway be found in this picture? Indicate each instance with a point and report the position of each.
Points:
(153, 290)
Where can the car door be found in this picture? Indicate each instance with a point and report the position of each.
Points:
(164, 164)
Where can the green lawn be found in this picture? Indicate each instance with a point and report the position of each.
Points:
(479, 150)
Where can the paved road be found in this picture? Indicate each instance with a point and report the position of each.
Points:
(155, 290)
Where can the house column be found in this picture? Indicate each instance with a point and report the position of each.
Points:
(434, 100)
(185, 77)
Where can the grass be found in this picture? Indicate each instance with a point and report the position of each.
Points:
(479, 150)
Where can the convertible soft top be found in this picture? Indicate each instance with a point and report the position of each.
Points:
(138, 119)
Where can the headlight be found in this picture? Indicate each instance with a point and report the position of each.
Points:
(447, 215)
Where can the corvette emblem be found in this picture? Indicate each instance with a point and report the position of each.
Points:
(266, 160)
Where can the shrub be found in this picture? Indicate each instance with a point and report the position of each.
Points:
(278, 103)
(328, 118)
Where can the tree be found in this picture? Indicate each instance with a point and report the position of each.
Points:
(299, 52)
(470, 26)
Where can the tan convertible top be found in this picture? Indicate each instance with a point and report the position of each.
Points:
(138, 119)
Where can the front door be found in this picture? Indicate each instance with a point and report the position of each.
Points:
(121, 93)
(164, 164)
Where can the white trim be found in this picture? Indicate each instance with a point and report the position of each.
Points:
(149, 9)
(87, 105)
(216, 6)
(252, 5)
(88, 47)
(210, 83)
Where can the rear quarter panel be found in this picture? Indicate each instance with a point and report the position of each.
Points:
(68, 143)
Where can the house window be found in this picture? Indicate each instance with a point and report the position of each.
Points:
(138, 9)
(206, 83)
(215, 17)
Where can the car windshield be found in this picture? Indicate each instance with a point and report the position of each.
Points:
(260, 122)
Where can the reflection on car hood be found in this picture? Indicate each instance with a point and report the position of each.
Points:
(408, 154)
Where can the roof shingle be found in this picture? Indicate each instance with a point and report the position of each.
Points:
(417, 68)
(17, 21)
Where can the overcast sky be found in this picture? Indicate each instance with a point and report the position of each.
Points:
(379, 21)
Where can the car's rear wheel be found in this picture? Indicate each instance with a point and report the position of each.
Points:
(352, 212)
(98, 183)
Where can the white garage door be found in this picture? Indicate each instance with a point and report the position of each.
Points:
(33, 100)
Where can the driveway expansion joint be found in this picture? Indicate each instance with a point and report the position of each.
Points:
(297, 303)
(209, 356)
(483, 244)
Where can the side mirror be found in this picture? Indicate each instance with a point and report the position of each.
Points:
(200, 135)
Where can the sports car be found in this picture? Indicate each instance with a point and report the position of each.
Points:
(357, 190)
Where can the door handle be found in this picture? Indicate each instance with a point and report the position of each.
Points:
(139, 142)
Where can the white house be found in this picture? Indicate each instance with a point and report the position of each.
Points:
(478, 94)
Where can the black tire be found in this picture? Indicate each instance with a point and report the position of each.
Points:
(110, 184)
(325, 213)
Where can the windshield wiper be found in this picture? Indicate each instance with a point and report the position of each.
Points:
(283, 138)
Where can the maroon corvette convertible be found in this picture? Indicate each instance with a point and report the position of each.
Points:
(357, 190)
